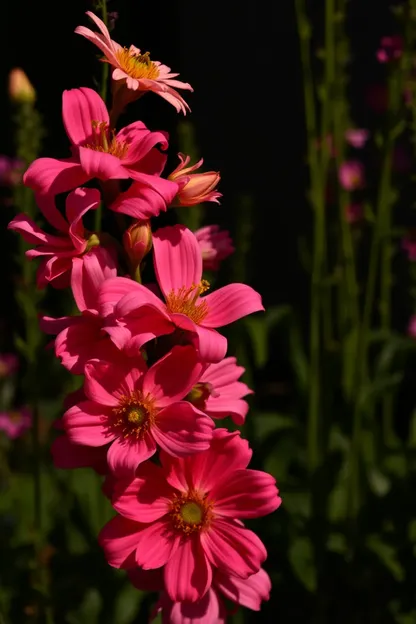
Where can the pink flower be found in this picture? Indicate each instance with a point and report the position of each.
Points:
(137, 242)
(354, 213)
(134, 73)
(219, 394)
(194, 188)
(391, 49)
(411, 328)
(210, 609)
(215, 244)
(8, 364)
(409, 244)
(15, 423)
(133, 409)
(351, 175)
(81, 338)
(178, 267)
(357, 137)
(186, 515)
(99, 153)
(10, 171)
(72, 241)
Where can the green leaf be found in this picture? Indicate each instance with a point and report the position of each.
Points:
(387, 555)
(378, 482)
(302, 561)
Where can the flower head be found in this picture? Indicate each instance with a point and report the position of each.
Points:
(357, 137)
(134, 73)
(15, 423)
(391, 49)
(351, 175)
(137, 242)
(215, 244)
(185, 516)
(194, 188)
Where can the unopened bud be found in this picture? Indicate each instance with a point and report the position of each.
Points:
(21, 89)
(194, 188)
(137, 242)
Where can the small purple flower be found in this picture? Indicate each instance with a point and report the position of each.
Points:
(357, 137)
(351, 175)
(15, 423)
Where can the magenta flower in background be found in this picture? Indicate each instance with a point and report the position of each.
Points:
(354, 213)
(11, 171)
(409, 244)
(411, 327)
(8, 364)
(351, 175)
(357, 137)
(15, 423)
(215, 244)
(391, 49)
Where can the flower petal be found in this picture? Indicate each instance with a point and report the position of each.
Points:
(211, 345)
(156, 544)
(177, 258)
(88, 273)
(143, 201)
(78, 343)
(118, 539)
(125, 455)
(173, 376)
(52, 176)
(101, 165)
(246, 592)
(80, 107)
(233, 548)
(140, 141)
(230, 303)
(86, 423)
(246, 494)
(182, 430)
(188, 573)
(104, 381)
(78, 203)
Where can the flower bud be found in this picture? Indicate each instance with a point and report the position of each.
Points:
(215, 245)
(137, 242)
(20, 88)
(194, 188)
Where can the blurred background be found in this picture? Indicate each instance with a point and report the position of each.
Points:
(308, 111)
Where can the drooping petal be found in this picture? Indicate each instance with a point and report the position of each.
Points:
(46, 204)
(146, 498)
(177, 258)
(118, 539)
(78, 203)
(188, 573)
(233, 548)
(207, 610)
(156, 544)
(249, 592)
(237, 409)
(88, 273)
(182, 430)
(80, 107)
(230, 303)
(99, 40)
(33, 235)
(140, 141)
(246, 494)
(78, 343)
(101, 165)
(125, 455)
(67, 455)
(145, 200)
(87, 423)
(173, 376)
(223, 373)
(211, 345)
(50, 176)
(51, 325)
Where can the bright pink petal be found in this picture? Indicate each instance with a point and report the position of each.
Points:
(118, 539)
(66, 455)
(188, 574)
(146, 498)
(80, 107)
(207, 610)
(246, 494)
(105, 381)
(88, 273)
(111, 291)
(51, 325)
(237, 409)
(173, 376)
(78, 203)
(138, 296)
(99, 40)
(230, 303)
(87, 423)
(33, 235)
(140, 142)
(125, 455)
(101, 165)
(156, 544)
(249, 592)
(233, 548)
(177, 258)
(77, 343)
(52, 176)
(182, 430)
(211, 345)
(145, 200)
(223, 373)
(47, 205)
(146, 324)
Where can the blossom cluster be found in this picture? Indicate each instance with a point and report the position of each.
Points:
(155, 370)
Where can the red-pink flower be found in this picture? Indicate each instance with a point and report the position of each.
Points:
(194, 188)
(210, 609)
(81, 338)
(178, 266)
(391, 49)
(357, 137)
(215, 244)
(134, 409)
(72, 240)
(97, 152)
(219, 394)
(134, 73)
(351, 175)
(411, 328)
(15, 423)
(186, 515)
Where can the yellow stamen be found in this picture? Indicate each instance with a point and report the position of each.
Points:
(138, 66)
(106, 141)
(191, 512)
(185, 301)
(134, 415)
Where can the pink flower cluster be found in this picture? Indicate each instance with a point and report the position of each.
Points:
(156, 375)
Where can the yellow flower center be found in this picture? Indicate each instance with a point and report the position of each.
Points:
(191, 512)
(185, 301)
(105, 140)
(134, 415)
(199, 394)
(137, 66)
(93, 241)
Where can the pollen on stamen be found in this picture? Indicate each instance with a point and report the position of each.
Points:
(138, 66)
(133, 416)
(191, 512)
(105, 140)
(185, 301)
